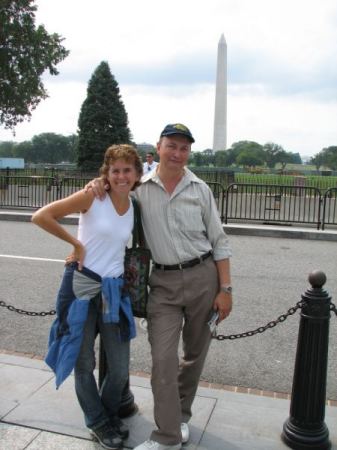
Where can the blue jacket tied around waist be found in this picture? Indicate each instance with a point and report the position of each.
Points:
(76, 291)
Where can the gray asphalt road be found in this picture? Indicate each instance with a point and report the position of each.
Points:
(269, 276)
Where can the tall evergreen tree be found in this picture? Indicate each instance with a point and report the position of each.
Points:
(103, 120)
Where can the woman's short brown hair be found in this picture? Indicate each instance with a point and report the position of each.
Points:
(126, 152)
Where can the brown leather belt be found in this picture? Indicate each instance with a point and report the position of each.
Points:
(184, 265)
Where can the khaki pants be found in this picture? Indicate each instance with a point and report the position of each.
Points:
(180, 301)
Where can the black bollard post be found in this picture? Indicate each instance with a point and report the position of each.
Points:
(128, 407)
(305, 428)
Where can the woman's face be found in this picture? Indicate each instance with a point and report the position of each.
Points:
(122, 176)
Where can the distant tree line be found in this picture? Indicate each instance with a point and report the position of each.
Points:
(51, 148)
(246, 154)
(43, 148)
(55, 148)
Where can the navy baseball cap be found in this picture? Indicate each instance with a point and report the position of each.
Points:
(177, 128)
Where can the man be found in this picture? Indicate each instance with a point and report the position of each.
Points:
(189, 280)
(150, 163)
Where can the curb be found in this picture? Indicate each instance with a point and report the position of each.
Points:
(275, 231)
(279, 232)
(26, 217)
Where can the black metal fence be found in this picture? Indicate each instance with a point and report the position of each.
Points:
(219, 195)
(215, 175)
(329, 208)
(273, 204)
(276, 204)
(239, 202)
(36, 191)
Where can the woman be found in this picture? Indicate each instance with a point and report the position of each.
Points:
(91, 298)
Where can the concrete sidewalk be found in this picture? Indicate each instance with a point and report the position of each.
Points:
(33, 415)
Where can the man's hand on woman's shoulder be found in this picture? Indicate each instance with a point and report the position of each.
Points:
(99, 187)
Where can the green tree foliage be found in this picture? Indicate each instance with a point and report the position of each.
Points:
(202, 159)
(25, 53)
(232, 153)
(284, 159)
(274, 153)
(7, 149)
(52, 148)
(197, 159)
(208, 157)
(250, 149)
(221, 158)
(193, 159)
(230, 156)
(296, 158)
(103, 120)
(23, 150)
(317, 160)
(251, 154)
(249, 159)
(327, 157)
(43, 148)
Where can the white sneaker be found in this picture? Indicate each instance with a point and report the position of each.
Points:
(185, 433)
(153, 445)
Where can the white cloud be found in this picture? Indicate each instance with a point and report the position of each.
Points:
(289, 121)
(281, 67)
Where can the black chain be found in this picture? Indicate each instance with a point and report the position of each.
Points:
(27, 313)
(219, 337)
(333, 308)
(271, 324)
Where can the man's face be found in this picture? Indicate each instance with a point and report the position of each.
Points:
(174, 151)
(149, 159)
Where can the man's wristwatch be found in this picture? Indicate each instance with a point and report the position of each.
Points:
(226, 289)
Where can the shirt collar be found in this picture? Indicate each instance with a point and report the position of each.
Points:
(188, 177)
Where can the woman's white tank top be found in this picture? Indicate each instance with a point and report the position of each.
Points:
(105, 234)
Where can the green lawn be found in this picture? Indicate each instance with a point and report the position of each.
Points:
(321, 182)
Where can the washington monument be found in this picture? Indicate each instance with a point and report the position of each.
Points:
(220, 113)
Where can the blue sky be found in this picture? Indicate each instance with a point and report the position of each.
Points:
(282, 70)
